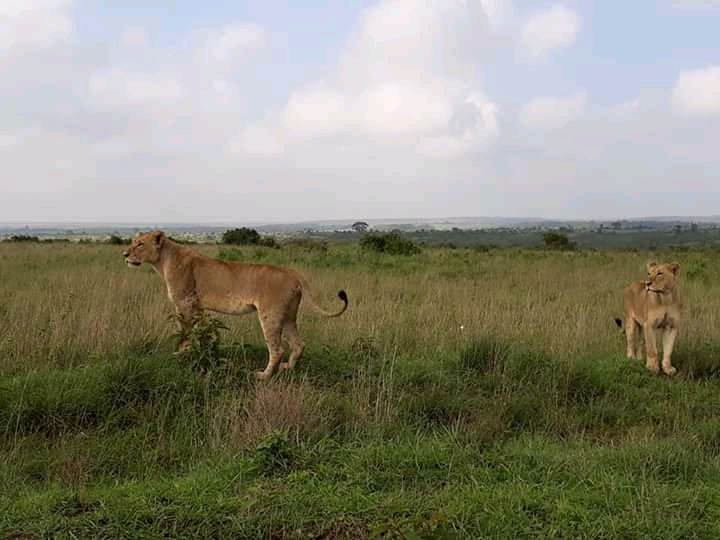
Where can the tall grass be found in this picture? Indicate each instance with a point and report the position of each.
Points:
(464, 394)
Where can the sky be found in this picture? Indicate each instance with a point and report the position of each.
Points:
(179, 111)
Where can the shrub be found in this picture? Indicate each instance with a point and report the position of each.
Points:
(391, 243)
(115, 240)
(241, 237)
(558, 240)
(23, 238)
(245, 236)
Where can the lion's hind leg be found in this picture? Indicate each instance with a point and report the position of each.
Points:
(297, 345)
(633, 335)
(272, 330)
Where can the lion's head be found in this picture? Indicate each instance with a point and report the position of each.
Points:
(145, 248)
(661, 277)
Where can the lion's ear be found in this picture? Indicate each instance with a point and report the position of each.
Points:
(158, 237)
(674, 267)
(650, 266)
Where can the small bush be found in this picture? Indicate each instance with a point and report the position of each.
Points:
(274, 454)
(391, 243)
(204, 350)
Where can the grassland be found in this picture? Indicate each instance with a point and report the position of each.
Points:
(464, 394)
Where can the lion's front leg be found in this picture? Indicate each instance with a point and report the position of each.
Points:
(651, 352)
(633, 336)
(185, 313)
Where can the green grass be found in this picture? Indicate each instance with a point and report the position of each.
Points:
(527, 422)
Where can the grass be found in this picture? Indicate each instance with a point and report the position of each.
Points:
(465, 394)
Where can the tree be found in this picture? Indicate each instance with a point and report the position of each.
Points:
(360, 226)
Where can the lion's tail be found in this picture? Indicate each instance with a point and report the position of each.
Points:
(619, 322)
(342, 295)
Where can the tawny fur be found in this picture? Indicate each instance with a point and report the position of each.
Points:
(653, 307)
(195, 283)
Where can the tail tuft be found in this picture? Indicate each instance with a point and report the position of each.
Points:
(619, 323)
(343, 296)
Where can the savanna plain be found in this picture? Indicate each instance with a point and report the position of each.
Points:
(466, 393)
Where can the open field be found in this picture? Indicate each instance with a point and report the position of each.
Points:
(464, 394)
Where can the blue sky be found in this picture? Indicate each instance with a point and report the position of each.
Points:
(315, 110)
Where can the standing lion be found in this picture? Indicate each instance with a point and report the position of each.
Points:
(195, 283)
(653, 307)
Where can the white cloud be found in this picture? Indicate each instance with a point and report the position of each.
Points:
(498, 12)
(695, 4)
(555, 28)
(116, 86)
(231, 41)
(134, 35)
(399, 107)
(257, 140)
(31, 24)
(63, 164)
(474, 124)
(552, 112)
(393, 81)
(697, 91)
(315, 111)
(422, 111)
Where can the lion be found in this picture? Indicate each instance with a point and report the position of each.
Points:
(196, 283)
(652, 305)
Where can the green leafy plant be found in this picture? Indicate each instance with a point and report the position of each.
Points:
(274, 453)
(203, 351)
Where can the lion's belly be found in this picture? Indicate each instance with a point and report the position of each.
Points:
(225, 303)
